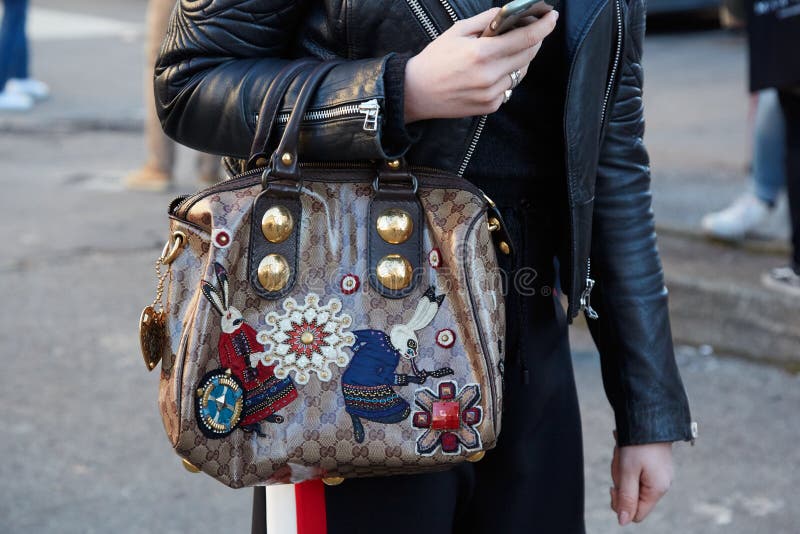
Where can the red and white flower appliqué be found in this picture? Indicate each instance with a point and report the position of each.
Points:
(445, 338)
(350, 284)
(448, 420)
(221, 238)
(435, 258)
(307, 339)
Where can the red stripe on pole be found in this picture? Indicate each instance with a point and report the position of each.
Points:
(310, 501)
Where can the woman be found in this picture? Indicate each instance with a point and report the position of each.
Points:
(563, 158)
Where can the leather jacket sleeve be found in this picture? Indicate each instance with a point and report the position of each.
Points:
(633, 332)
(218, 59)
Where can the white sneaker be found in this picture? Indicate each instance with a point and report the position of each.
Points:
(784, 280)
(737, 220)
(15, 101)
(36, 89)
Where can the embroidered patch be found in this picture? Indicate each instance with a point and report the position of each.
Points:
(307, 338)
(445, 338)
(368, 384)
(221, 238)
(435, 258)
(448, 418)
(240, 355)
(350, 284)
(219, 403)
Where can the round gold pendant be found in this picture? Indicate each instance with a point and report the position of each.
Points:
(152, 336)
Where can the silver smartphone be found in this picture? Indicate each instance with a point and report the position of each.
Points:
(515, 14)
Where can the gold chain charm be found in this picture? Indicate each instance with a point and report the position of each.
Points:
(153, 321)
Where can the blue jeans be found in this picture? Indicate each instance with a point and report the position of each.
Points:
(13, 43)
(769, 148)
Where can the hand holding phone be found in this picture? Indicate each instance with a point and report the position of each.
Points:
(516, 13)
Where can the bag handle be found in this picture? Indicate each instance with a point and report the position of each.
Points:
(269, 108)
(284, 162)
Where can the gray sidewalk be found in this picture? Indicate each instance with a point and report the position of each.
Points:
(84, 444)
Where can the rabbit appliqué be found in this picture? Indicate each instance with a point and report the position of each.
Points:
(245, 391)
(368, 384)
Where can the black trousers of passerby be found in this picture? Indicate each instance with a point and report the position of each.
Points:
(790, 102)
(533, 480)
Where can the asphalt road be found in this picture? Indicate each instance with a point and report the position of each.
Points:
(82, 439)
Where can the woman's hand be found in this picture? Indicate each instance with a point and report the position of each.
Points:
(642, 474)
(461, 75)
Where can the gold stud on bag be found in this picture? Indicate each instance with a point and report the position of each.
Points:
(329, 321)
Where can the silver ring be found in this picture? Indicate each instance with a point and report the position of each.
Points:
(507, 95)
(516, 76)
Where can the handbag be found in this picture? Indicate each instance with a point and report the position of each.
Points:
(328, 320)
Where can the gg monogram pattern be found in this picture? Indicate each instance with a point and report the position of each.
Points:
(317, 437)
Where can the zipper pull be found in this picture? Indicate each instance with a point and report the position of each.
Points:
(586, 302)
(371, 109)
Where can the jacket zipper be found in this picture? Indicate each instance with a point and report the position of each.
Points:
(370, 109)
(586, 294)
(427, 22)
(615, 67)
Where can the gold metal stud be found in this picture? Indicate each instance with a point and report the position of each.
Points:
(395, 226)
(307, 338)
(287, 158)
(277, 224)
(394, 272)
(273, 272)
(476, 457)
(504, 248)
(189, 466)
(261, 162)
(332, 481)
(494, 224)
(393, 164)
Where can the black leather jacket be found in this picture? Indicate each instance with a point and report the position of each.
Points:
(220, 55)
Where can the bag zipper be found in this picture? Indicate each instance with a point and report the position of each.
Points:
(253, 176)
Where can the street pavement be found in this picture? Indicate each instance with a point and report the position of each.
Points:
(84, 447)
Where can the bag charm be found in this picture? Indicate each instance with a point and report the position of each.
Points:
(153, 321)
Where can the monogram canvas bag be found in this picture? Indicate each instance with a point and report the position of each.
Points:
(329, 321)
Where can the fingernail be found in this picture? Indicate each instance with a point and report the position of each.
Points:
(624, 518)
(556, 14)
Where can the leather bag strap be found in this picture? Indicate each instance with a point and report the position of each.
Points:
(271, 105)
(284, 162)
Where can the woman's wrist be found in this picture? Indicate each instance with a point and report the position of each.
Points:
(411, 95)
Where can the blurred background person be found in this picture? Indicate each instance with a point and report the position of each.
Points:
(753, 208)
(18, 91)
(157, 173)
(774, 38)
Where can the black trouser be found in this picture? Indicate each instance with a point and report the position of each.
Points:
(532, 482)
(790, 102)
